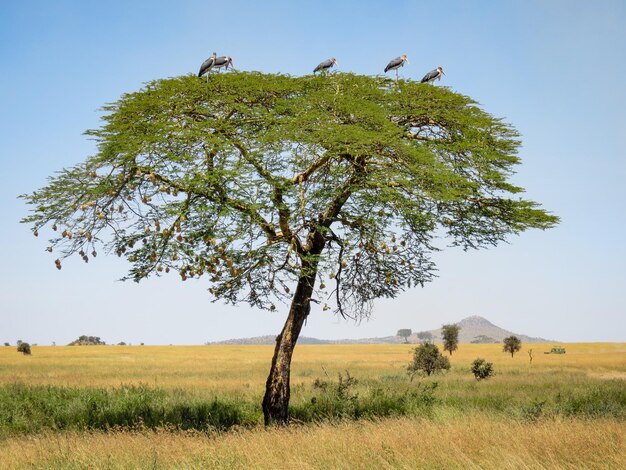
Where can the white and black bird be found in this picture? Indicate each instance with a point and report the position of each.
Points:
(396, 63)
(207, 65)
(223, 61)
(327, 64)
(433, 75)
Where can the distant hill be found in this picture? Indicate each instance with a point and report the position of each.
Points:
(480, 330)
(270, 339)
(474, 329)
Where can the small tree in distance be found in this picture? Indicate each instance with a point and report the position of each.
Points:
(404, 333)
(424, 336)
(512, 344)
(427, 359)
(24, 348)
(450, 335)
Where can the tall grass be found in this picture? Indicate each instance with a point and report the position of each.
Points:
(34, 408)
(30, 409)
(473, 442)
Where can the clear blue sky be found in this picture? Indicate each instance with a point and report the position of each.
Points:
(556, 70)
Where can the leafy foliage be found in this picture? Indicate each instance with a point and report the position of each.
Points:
(482, 369)
(252, 180)
(450, 335)
(428, 360)
(424, 336)
(404, 333)
(24, 348)
(483, 339)
(512, 344)
(85, 340)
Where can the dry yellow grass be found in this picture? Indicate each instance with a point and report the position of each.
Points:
(471, 443)
(244, 368)
(456, 437)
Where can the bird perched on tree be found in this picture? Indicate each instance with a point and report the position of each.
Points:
(327, 64)
(207, 65)
(223, 61)
(433, 75)
(396, 63)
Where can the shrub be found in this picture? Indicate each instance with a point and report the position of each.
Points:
(24, 348)
(337, 400)
(427, 359)
(482, 369)
(85, 340)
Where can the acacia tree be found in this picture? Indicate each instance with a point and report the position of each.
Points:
(425, 336)
(327, 190)
(404, 333)
(450, 334)
(512, 344)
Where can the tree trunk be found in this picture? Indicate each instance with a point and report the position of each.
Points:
(277, 390)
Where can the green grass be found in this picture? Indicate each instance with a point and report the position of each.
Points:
(30, 409)
(35, 408)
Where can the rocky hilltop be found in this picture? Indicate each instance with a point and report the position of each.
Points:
(476, 329)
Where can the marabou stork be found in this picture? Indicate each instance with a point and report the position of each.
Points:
(327, 64)
(223, 61)
(396, 63)
(433, 75)
(207, 65)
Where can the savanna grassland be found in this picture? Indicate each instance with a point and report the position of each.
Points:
(353, 407)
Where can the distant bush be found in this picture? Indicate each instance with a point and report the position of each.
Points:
(7, 344)
(85, 340)
(427, 359)
(483, 339)
(24, 348)
(482, 369)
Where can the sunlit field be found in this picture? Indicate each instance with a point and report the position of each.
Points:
(561, 411)
(222, 369)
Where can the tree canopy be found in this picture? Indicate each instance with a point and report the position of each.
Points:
(404, 333)
(450, 334)
(512, 344)
(234, 179)
(427, 359)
